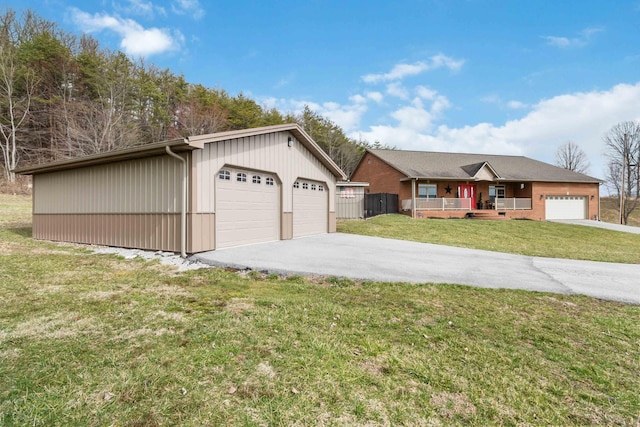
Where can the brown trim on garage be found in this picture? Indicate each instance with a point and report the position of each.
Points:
(201, 232)
(332, 222)
(152, 231)
(286, 228)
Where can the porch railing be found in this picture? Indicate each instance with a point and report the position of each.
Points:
(512, 204)
(441, 204)
(456, 204)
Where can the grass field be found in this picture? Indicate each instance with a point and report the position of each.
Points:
(610, 212)
(98, 340)
(533, 238)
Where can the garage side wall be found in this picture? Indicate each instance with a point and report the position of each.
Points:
(268, 153)
(133, 203)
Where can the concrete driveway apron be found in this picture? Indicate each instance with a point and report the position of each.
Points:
(389, 260)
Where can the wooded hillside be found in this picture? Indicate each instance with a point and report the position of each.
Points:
(62, 95)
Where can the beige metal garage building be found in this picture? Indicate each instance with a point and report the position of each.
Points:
(190, 195)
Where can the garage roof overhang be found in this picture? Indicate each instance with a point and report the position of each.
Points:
(141, 151)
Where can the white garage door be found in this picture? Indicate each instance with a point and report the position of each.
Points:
(310, 208)
(247, 208)
(566, 207)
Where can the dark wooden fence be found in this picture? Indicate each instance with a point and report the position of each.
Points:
(380, 203)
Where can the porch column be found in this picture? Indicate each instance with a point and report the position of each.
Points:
(413, 198)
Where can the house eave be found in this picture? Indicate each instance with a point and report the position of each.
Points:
(502, 180)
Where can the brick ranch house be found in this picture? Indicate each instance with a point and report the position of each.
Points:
(455, 185)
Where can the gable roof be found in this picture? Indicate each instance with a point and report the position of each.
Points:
(294, 128)
(184, 144)
(461, 166)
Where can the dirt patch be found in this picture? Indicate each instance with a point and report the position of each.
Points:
(11, 353)
(125, 335)
(373, 366)
(451, 404)
(239, 305)
(175, 316)
(265, 370)
(58, 326)
(167, 291)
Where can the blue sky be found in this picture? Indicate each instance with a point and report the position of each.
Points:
(485, 76)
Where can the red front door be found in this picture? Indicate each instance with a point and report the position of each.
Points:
(468, 191)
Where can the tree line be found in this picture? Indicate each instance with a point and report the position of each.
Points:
(63, 95)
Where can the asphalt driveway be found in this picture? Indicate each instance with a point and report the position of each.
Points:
(388, 260)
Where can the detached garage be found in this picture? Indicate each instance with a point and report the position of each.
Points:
(190, 195)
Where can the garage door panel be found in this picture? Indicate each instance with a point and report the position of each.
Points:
(310, 208)
(246, 212)
(566, 207)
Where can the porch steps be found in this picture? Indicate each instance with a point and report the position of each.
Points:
(487, 215)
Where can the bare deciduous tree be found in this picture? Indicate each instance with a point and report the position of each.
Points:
(622, 147)
(16, 91)
(570, 156)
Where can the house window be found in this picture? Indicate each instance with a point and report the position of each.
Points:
(313, 187)
(305, 186)
(268, 181)
(296, 184)
(241, 177)
(256, 179)
(427, 191)
(320, 187)
(496, 191)
(225, 175)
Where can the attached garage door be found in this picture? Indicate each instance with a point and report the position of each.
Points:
(247, 208)
(310, 208)
(566, 207)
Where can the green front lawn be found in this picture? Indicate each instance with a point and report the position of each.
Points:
(96, 340)
(533, 238)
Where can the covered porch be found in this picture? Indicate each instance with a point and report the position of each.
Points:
(449, 199)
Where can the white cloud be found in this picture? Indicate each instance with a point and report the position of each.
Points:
(346, 116)
(141, 7)
(397, 90)
(414, 117)
(583, 38)
(188, 7)
(582, 117)
(491, 99)
(516, 105)
(400, 71)
(135, 39)
(358, 99)
(375, 96)
(426, 93)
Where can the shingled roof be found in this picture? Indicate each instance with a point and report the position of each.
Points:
(460, 166)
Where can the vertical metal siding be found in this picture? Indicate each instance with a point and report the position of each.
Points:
(268, 152)
(134, 203)
(145, 231)
(350, 207)
(135, 186)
